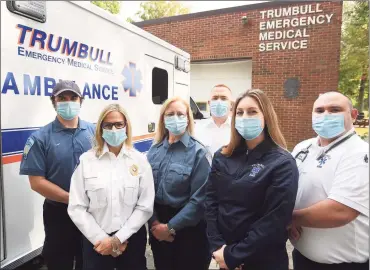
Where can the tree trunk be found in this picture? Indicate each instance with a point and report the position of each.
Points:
(361, 94)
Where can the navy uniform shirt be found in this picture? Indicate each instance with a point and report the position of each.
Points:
(53, 151)
(180, 171)
(250, 198)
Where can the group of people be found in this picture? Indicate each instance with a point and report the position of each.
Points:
(225, 188)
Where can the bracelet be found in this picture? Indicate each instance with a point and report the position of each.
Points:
(115, 245)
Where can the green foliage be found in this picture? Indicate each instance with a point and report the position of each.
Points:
(111, 6)
(354, 63)
(159, 9)
(365, 136)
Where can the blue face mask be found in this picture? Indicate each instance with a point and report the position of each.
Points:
(176, 125)
(248, 128)
(219, 108)
(328, 126)
(114, 137)
(68, 109)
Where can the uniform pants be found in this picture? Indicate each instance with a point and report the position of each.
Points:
(63, 240)
(189, 250)
(133, 258)
(300, 262)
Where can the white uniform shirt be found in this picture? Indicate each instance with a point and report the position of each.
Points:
(342, 175)
(212, 136)
(110, 193)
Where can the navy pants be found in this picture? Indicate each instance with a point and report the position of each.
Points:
(189, 250)
(63, 240)
(300, 262)
(133, 258)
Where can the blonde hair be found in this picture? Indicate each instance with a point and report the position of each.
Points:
(99, 141)
(162, 132)
(271, 122)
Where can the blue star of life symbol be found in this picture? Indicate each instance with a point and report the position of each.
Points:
(132, 82)
(322, 161)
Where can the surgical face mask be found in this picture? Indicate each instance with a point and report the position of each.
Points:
(68, 109)
(219, 108)
(248, 128)
(114, 137)
(328, 126)
(175, 124)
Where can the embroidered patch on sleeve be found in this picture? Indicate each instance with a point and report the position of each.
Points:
(27, 147)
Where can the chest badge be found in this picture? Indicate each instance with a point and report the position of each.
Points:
(256, 168)
(322, 161)
(134, 170)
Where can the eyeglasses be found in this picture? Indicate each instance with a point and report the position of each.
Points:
(179, 114)
(118, 125)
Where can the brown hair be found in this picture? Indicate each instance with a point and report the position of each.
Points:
(272, 129)
(99, 141)
(162, 132)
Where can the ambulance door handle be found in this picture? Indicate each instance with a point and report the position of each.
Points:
(151, 127)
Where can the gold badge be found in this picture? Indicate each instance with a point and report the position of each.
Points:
(134, 170)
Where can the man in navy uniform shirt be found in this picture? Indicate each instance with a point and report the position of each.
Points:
(50, 156)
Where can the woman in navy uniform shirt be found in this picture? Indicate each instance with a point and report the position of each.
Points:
(251, 190)
(180, 170)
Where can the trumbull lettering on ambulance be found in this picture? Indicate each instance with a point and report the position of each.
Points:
(288, 38)
(61, 46)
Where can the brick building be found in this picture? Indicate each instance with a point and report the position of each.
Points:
(290, 50)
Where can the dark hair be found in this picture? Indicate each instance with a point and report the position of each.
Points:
(52, 98)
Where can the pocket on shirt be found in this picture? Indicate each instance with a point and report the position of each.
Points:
(131, 190)
(96, 191)
(177, 179)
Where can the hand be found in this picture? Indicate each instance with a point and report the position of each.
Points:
(155, 223)
(294, 231)
(161, 232)
(218, 255)
(169, 239)
(122, 248)
(104, 247)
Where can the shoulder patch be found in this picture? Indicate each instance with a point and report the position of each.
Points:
(27, 147)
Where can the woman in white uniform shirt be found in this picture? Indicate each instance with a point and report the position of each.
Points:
(112, 196)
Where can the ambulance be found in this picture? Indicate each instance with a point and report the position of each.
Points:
(111, 60)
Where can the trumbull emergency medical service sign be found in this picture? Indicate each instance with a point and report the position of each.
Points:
(288, 28)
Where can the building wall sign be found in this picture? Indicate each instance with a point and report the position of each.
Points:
(287, 28)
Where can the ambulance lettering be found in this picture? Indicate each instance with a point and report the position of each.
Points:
(43, 86)
(53, 43)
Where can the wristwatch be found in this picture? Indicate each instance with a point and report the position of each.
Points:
(171, 230)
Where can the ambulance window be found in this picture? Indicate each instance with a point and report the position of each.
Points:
(159, 85)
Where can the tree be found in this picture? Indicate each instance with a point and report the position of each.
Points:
(354, 65)
(111, 6)
(158, 9)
